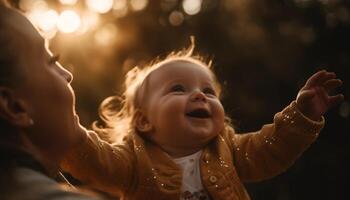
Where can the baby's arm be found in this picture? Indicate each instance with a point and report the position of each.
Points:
(100, 165)
(263, 154)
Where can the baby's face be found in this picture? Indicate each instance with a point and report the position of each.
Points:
(182, 106)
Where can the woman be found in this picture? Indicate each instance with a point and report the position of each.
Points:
(38, 124)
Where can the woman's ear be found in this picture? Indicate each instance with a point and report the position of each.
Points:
(12, 109)
(142, 122)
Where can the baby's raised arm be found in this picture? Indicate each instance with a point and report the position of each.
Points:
(268, 152)
(100, 165)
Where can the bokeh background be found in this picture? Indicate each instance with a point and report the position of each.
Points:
(263, 52)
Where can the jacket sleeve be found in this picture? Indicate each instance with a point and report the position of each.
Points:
(101, 165)
(270, 151)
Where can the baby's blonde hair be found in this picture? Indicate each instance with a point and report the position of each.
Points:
(117, 113)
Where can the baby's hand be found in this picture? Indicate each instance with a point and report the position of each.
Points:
(313, 99)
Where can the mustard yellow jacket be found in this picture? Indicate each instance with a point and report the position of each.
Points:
(138, 169)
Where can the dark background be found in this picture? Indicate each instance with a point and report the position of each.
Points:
(263, 52)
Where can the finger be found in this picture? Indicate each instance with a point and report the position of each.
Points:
(319, 78)
(305, 95)
(335, 100)
(332, 84)
(315, 77)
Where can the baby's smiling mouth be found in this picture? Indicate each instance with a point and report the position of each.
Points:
(199, 113)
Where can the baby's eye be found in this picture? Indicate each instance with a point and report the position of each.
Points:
(177, 88)
(209, 91)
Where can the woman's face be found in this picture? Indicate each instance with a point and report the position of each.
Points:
(47, 95)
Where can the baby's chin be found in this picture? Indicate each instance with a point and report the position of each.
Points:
(203, 132)
(204, 137)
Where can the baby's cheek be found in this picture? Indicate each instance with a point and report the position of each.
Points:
(218, 107)
(219, 115)
(169, 111)
(175, 105)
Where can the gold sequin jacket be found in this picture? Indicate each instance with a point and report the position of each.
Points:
(138, 169)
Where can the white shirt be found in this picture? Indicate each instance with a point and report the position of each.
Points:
(192, 187)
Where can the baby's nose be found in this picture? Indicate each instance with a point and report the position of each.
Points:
(199, 96)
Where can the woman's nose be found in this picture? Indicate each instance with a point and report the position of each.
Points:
(65, 74)
(198, 96)
(68, 76)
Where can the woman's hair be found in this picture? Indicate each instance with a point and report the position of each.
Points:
(10, 74)
(10, 53)
(11, 45)
(117, 113)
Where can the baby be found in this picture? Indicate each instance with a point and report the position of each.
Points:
(178, 143)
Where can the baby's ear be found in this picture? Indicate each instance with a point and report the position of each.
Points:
(13, 109)
(142, 123)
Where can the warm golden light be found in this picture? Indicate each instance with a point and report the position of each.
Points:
(25, 4)
(100, 6)
(119, 4)
(90, 21)
(121, 13)
(138, 5)
(34, 9)
(120, 8)
(48, 20)
(192, 7)
(68, 2)
(68, 21)
(176, 18)
(33, 5)
(106, 35)
(49, 34)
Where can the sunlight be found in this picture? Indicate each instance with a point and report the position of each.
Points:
(68, 2)
(192, 7)
(100, 6)
(68, 21)
(48, 20)
(138, 5)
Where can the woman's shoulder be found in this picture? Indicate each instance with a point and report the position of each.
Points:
(28, 184)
